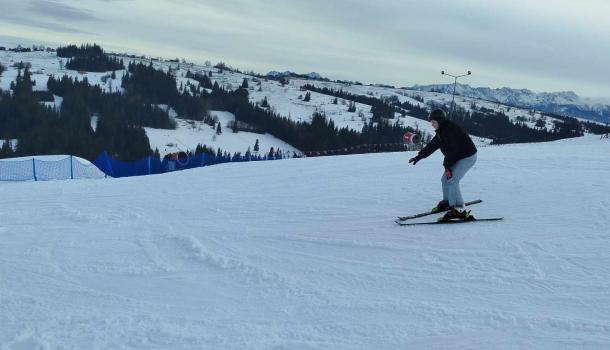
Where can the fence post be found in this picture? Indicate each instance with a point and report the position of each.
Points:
(71, 169)
(34, 169)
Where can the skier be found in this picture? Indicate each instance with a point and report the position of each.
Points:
(460, 155)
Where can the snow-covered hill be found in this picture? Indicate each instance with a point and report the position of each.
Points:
(189, 133)
(286, 99)
(564, 102)
(423, 97)
(304, 254)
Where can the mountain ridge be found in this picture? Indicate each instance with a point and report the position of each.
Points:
(561, 102)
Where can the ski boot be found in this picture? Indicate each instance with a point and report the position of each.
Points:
(454, 214)
(441, 206)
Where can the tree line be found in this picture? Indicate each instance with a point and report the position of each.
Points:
(42, 129)
(90, 58)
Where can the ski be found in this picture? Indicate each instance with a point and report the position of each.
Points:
(404, 218)
(445, 222)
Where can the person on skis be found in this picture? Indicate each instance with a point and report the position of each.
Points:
(460, 155)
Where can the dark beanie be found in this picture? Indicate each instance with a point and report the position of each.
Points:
(437, 115)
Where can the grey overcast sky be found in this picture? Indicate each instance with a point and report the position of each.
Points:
(541, 45)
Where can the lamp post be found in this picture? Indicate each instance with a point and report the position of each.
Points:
(454, 84)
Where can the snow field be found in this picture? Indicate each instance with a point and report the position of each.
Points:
(304, 254)
(189, 133)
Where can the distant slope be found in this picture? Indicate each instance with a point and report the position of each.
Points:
(189, 133)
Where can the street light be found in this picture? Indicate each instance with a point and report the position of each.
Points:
(454, 84)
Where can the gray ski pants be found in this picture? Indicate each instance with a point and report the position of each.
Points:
(451, 187)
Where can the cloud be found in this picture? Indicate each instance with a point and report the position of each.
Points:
(544, 45)
(59, 11)
(47, 15)
(55, 27)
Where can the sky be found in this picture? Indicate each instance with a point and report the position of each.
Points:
(540, 45)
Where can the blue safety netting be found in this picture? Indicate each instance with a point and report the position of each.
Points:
(152, 165)
(104, 165)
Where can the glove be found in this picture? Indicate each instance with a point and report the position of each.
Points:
(448, 173)
(414, 160)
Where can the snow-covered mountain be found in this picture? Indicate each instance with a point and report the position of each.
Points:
(563, 103)
(285, 97)
(304, 254)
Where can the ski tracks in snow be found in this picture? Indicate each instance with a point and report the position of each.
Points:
(173, 252)
(303, 254)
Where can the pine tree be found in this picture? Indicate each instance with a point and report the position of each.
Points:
(335, 101)
(248, 153)
(234, 127)
(244, 84)
(218, 129)
(307, 97)
(256, 148)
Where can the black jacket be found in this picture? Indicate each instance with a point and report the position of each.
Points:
(453, 141)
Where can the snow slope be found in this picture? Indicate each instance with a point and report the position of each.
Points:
(46, 64)
(189, 133)
(304, 254)
(412, 96)
(285, 100)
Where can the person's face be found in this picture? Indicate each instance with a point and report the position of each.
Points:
(434, 124)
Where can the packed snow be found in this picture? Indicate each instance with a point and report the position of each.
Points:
(304, 254)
